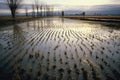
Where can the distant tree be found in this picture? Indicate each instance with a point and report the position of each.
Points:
(47, 10)
(26, 10)
(62, 13)
(44, 10)
(83, 13)
(51, 10)
(41, 7)
(33, 10)
(37, 6)
(13, 5)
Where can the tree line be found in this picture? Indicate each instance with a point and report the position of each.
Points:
(38, 9)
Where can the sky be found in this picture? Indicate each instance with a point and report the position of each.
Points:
(68, 4)
(72, 4)
(75, 2)
(78, 2)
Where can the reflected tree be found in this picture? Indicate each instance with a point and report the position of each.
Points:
(18, 35)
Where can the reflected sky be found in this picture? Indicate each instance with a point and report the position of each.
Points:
(58, 48)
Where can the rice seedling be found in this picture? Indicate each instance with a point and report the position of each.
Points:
(37, 54)
(30, 55)
(73, 50)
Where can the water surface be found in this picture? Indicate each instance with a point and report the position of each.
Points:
(59, 49)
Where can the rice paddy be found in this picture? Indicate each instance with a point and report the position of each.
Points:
(59, 49)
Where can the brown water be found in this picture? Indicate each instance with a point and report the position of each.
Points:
(59, 49)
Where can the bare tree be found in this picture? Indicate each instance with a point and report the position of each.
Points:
(52, 11)
(41, 7)
(47, 10)
(44, 10)
(13, 5)
(33, 12)
(37, 6)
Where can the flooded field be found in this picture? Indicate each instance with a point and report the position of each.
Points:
(59, 49)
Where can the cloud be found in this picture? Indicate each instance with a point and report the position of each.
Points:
(83, 2)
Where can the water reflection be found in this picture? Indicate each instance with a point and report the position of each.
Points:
(18, 34)
(28, 25)
(62, 20)
(39, 24)
(60, 49)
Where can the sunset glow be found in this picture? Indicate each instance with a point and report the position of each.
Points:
(78, 2)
